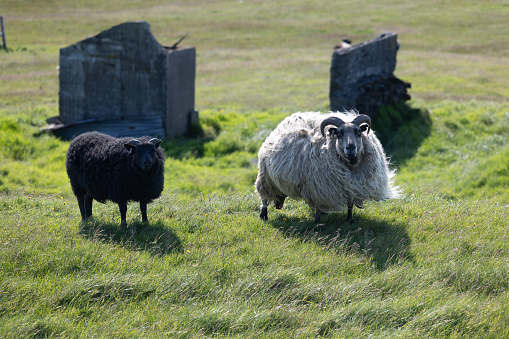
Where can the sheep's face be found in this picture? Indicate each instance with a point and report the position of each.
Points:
(349, 136)
(144, 154)
(349, 141)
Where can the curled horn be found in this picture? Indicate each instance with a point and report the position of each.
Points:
(362, 119)
(335, 121)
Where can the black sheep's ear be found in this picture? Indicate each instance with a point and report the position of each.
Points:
(156, 142)
(364, 128)
(131, 145)
(333, 132)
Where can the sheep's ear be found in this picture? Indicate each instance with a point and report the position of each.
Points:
(130, 147)
(364, 128)
(156, 142)
(333, 131)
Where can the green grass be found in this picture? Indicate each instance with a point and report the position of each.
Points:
(430, 265)
(425, 266)
(461, 149)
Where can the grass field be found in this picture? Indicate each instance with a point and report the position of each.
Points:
(431, 265)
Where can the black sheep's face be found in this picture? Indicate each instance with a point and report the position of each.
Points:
(144, 154)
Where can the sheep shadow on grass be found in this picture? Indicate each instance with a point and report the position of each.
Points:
(154, 238)
(382, 242)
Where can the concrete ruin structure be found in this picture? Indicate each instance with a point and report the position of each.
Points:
(362, 76)
(122, 82)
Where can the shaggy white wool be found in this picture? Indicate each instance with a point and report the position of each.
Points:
(297, 161)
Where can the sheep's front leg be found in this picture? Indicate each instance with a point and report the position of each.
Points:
(143, 208)
(122, 206)
(81, 204)
(85, 204)
(88, 206)
(263, 210)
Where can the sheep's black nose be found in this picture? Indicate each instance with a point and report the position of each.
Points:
(350, 148)
(147, 164)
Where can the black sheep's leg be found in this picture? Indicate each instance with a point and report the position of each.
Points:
(350, 218)
(263, 210)
(143, 208)
(88, 206)
(81, 204)
(122, 206)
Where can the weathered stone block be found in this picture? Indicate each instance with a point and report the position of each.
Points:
(362, 76)
(124, 74)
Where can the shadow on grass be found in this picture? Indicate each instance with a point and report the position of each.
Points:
(383, 242)
(152, 237)
(185, 148)
(401, 130)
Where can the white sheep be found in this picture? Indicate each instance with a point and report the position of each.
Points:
(343, 167)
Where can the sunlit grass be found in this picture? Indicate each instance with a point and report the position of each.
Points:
(424, 265)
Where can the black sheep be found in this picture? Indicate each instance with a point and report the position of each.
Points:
(104, 168)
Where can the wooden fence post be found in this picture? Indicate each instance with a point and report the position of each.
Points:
(2, 33)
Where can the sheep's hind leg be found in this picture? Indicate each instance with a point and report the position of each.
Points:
(263, 210)
(350, 218)
(122, 206)
(318, 214)
(280, 202)
(143, 208)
